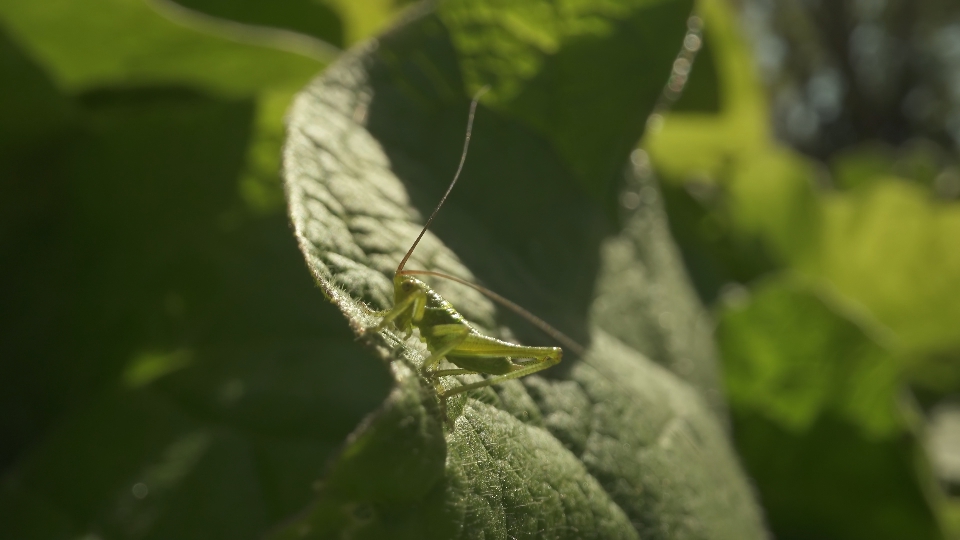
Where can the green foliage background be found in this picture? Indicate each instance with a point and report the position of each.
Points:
(161, 329)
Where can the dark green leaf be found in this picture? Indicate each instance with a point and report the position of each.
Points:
(311, 18)
(125, 42)
(611, 445)
(186, 350)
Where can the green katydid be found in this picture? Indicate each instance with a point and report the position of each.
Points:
(448, 335)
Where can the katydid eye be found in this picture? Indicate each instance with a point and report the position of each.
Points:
(407, 286)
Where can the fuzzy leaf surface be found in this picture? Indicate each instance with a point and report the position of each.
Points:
(628, 441)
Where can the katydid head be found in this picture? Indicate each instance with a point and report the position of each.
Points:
(404, 286)
(404, 289)
(463, 158)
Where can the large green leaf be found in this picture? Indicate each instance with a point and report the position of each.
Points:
(627, 441)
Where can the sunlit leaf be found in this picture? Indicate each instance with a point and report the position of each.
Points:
(611, 445)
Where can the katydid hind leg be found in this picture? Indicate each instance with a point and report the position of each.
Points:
(450, 372)
(491, 356)
(538, 364)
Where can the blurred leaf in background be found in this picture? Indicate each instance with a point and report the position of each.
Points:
(831, 278)
(816, 403)
(169, 369)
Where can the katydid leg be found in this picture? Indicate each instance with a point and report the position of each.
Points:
(414, 304)
(538, 365)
